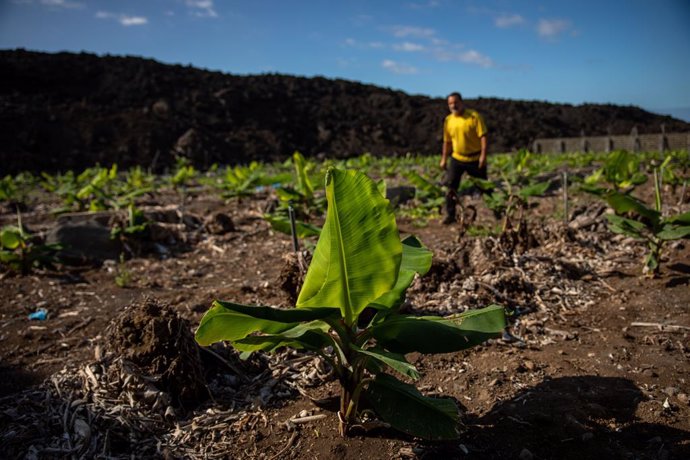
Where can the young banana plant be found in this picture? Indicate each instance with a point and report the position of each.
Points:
(646, 223)
(360, 263)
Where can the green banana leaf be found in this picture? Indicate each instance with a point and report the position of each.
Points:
(483, 184)
(433, 334)
(679, 219)
(231, 321)
(626, 226)
(309, 336)
(395, 361)
(357, 257)
(220, 323)
(286, 194)
(672, 232)
(407, 410)
(10, 237)
(622, 203)
(537, 189)
(303, 181)
(282, 224)
(279, 315)
(424, 184)
(416, 258)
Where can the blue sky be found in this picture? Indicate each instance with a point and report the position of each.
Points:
(629, 52)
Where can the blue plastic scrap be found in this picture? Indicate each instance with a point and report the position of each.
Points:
(40, 314)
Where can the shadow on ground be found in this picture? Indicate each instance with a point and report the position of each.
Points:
(568, 418)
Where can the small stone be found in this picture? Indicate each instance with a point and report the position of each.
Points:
(649, 373)
(529, 365)
(469, 285)
(683, 398)
(526, 455)
(670, 391)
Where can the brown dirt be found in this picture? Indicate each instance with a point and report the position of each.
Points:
(580, 376)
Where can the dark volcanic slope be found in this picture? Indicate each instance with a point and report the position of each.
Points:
(67, 111)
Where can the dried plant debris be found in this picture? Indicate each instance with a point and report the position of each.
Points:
(113, 407)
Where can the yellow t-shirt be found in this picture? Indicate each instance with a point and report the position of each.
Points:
(464, 131)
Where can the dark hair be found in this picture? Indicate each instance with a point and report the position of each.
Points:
(455, 94)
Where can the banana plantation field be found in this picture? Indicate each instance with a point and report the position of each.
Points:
(304, 310)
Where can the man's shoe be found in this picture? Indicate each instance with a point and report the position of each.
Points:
(448, 220)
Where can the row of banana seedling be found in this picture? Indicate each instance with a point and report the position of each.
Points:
(100, 188)
(518, 178)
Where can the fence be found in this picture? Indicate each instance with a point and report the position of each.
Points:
(632, 142)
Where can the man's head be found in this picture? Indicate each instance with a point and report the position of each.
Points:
(455, 104)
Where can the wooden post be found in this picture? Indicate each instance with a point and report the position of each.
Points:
(566, 211)
(293, 228)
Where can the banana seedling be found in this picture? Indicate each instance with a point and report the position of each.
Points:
(359, 264)
(646, 223)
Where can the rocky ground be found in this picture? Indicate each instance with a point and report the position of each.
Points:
(61, 111)
(595, 365)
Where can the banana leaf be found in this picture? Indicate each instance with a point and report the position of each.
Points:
(357, 257)
(433, 334)
(407, 410)
(309, 336)
(679, 219)
(672, 232)
(220, 323)
(415, 259)
(10, 237)
(279, 315)
(282, 224)
(395, 361)
(622, 203)
(537, 189)
(625, 226)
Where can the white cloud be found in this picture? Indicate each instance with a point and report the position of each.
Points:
(52, 3)
(133, 20)
(504, 21)
(408, 46)
(551, 28)
(62, 3)
(202, 8)
(399, 68)
(466, 57)
(428, 43)
(411, 31)
(357, 44)
(123, 19)
(475, 57)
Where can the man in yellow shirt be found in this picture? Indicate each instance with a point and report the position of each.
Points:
(465, 141)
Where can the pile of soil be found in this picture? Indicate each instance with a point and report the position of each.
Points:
(159, 343)
(68, 111)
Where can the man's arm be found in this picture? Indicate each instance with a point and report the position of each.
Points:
(482, 156)
(447, 147)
